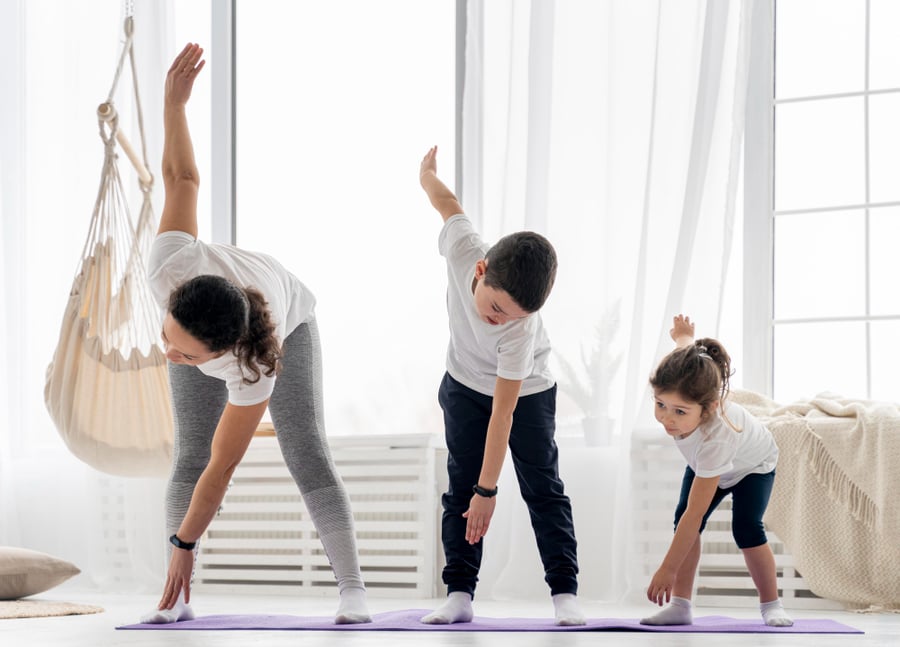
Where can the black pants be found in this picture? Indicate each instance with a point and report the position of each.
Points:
(536, 459)
(750, 498)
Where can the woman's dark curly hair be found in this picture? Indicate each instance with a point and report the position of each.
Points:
(224, 316)
(698, 373)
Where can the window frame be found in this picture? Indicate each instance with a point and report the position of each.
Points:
(223, 86)
(760, 214)
(759, 201)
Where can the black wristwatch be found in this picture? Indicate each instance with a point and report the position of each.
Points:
(186, 545)
(480, 491)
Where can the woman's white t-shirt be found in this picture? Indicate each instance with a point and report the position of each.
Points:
(716, 449)
(176, 256)
(478, 352)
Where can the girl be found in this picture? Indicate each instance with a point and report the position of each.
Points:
(235, 320)
(728, 451)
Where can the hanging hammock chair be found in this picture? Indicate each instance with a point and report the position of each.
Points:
(107, 387)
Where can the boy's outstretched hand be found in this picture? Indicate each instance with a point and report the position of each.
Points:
(439, 195)
(682, 331)
(180, 78)
(429, 164)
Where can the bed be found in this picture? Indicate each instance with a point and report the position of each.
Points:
(836, 501)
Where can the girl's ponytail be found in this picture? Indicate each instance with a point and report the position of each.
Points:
(713, 349)
(699, 373)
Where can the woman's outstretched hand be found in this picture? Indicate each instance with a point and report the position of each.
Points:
(180, 78)
(178, 580)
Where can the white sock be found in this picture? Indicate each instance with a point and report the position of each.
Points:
(353, 608)
(774, 615)
(179, 612)
(568, 613)
(677, 613)
(456, 608)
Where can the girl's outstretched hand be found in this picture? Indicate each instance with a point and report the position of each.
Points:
(180, 78)
(682, 327)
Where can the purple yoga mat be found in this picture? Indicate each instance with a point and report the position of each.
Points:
(408, 620)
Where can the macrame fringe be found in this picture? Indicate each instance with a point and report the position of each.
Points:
(836, 482)
(877, 608)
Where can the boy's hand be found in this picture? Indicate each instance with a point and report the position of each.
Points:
(479, 514)
(439, 195)
(682, 331)
(429, 163)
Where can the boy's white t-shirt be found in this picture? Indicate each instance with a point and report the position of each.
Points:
(715, 449)
(176, 256)
(478, 352)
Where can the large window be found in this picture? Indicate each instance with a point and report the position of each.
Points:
(836, 199)
(337, 102)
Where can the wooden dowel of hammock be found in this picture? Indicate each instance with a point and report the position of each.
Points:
(107, 112)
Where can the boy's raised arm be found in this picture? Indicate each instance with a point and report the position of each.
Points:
(441, 197)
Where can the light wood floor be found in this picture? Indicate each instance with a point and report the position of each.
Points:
(99, 630)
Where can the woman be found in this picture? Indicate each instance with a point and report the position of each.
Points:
(240, 336)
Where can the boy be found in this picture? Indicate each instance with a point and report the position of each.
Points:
(497, 364)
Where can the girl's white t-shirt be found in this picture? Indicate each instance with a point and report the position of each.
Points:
(716, 449)
(176, 256)
(478, 352)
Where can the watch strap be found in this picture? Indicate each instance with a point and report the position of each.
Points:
(178, 543)
(486, 493)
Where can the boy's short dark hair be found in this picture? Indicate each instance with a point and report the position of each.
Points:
(522, 264)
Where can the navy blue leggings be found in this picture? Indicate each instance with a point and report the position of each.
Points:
(750, 498)
(535, 457)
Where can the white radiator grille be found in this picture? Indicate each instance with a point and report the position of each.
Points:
(722, 580)
(263, 539)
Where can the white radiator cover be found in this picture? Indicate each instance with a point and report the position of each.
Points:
(263, 540)
(723, 580)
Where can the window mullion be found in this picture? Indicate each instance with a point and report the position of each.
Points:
(759, 203)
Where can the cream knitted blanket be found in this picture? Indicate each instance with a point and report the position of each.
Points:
(836, 501)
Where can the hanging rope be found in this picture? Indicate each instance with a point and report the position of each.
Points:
(107, 386)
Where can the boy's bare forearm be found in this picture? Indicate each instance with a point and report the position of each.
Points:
(440, 196)
(506, 396)
(495, 447)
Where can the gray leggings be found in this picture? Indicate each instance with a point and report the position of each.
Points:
(297, 413)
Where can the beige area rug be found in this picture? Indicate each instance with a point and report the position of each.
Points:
(43, 609)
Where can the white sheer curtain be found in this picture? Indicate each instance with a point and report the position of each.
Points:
(10, 322)
(57, 61)
(614, 128)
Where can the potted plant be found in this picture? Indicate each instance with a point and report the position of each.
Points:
(589, 385)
